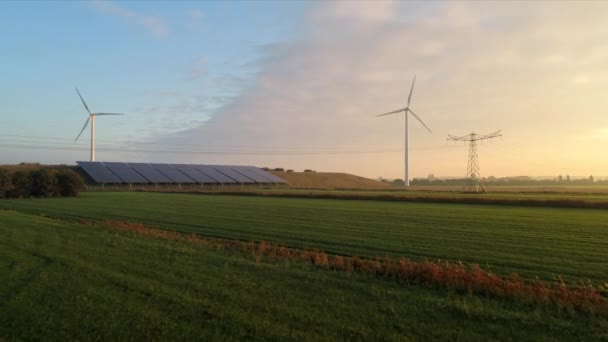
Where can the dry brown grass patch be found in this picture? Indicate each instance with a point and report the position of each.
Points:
(441, 274)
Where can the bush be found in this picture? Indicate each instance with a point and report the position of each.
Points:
(69, 183)
(266, 168)
(5, 183)
(21, 185)
(43, 183)
(398, 182)
(309, 170)
(290, 170)
(279, 169)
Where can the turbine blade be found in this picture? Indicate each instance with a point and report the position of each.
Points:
(83, 127)
(84, 103)
(109, 114)
(423, 124)
(393, 112)
(409, 98)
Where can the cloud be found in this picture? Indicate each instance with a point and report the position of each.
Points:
(157, 26)
(196, 17)
(480, 66)
(597, 134)
(197, 70)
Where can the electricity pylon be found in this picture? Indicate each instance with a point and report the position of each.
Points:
(474, 181)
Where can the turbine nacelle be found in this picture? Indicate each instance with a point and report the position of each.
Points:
(407, 110)
(91, 118)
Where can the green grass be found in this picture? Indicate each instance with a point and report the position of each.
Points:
(557, 197)
(542, 242)
(65, 281)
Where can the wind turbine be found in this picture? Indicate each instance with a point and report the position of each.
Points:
(92, 119)
(407, 111)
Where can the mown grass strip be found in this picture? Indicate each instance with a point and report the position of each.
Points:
(484, 199)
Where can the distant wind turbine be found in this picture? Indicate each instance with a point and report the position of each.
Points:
(92, 119)
(407, 111)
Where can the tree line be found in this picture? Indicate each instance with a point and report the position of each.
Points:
(510, 181)
(42, 182)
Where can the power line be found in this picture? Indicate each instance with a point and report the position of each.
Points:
(57, 143)
(130, 142)
(63, 147)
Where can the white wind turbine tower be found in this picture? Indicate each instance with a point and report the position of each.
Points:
(407, 111)
(92, 119)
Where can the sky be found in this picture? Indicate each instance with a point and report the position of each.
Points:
(298, 84)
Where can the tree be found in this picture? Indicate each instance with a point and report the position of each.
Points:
(21, 185)
(5, 183)
(560, 178)
(279, 169)
(69, 183)
(398, 182)
(568, 178)
(43, 183)
(591, 179)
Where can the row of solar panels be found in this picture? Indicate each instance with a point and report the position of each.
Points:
(143, 173)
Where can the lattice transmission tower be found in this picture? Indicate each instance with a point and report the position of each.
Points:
(474, 181)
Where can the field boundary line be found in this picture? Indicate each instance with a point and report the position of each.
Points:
(516, 202)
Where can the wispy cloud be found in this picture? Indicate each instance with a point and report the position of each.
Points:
(480, 66)
(597, 134)
(196, 17)
(197, 70)
(155, 25)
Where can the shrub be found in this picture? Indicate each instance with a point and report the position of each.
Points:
(309, 170)
(43, 183)
(279, 169)
(21, 185)
(398, 182)
(69, 183)
(266, 168)
(289, 170)
(5, 183)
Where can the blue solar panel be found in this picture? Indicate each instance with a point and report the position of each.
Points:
(150, 173)
(141, 173)
(213, 173)
(98, 172)
(248, 173)
(266, 174)
(126, 173)
(232, 174)
(172, 173)
(195, 174)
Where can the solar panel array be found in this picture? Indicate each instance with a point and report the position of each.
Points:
(144, 173)
(99, 173)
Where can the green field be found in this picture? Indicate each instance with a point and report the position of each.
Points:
(529, 196)
(67, 281)
(543, 242)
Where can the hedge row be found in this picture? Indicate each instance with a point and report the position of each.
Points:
(40, 183)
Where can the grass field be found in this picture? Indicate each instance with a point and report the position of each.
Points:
(542, 242)
(538, 197)
(67, 281)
